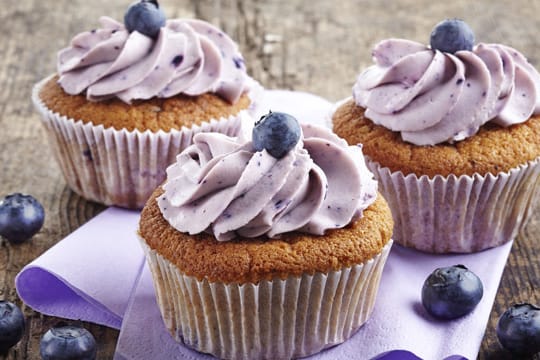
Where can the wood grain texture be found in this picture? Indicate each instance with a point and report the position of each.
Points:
(317, 46)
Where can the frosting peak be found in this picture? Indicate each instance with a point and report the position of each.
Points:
(188, 57)
(433, 97)
(229, 189)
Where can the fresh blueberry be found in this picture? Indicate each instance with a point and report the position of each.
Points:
(518, 329)
(68, 342)
(277, 133)
(21, 216)
(451, 292)
(145, 17)
(451, 36)
(12, 325)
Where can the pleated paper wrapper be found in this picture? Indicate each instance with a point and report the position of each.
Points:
(121, 167)
(276, 319)
(458, 214)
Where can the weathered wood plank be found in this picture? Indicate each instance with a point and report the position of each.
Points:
(316, 46)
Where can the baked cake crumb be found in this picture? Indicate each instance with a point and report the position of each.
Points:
(153, 114)
(493, 149)
(253, 260)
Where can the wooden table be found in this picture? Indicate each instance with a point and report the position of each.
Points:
(317, 46)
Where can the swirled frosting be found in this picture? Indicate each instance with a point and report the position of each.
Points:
(188, 57)
(433, 97)
(226, 188)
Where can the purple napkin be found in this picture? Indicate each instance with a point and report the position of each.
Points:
(98, 274)
(90, 274)
(398, 321)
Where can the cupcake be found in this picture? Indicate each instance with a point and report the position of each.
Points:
(126, 99)
(265, 251)
(452, 133)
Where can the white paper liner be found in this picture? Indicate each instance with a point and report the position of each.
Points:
(121, 167)
(458, 214)
(277, 319)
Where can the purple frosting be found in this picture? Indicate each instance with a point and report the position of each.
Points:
(188, 57)
(226, 188)
(433, 97)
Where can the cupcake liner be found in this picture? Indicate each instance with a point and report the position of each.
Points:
(276, 319)
(120, 167)
(458, 214)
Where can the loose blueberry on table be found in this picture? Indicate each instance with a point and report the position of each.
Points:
(518, 329)
(451, 292)
(68, 342)
(21, 217)
(452, 35)
(12, 325)
(276, 132)
(145, 17)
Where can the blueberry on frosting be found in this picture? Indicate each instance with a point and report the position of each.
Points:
(188, 56)
(277, 133)
(225, 187)
(451, 36)
(431, 95)
(145, 17)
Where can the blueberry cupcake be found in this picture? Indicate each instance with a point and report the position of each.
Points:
(128, 97)
(452, 133)
(266, 249)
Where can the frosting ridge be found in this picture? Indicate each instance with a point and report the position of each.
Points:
(188, 57)
(433, 97)
(229, 189)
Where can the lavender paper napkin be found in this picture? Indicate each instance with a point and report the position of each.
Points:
(398, 320)
(90, 274)
(98, 274)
